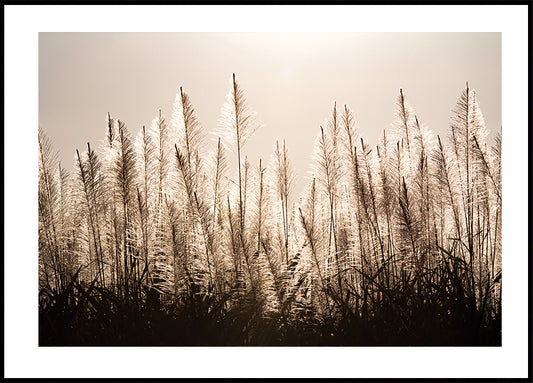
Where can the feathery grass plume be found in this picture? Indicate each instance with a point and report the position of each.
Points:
(309, 215)
(239, 285)
(336, 215)
(327, 169)
(199, 213)
(260, 204)
(333, 135)
(284, 184)
(366, 162)
(467, 123)
(171, 275)
(333, 129)
(67, 238)
(274, 274)
(349, 131)
(485, 166)
(423, 189)
(413, 150)
(396, 168)
(264, 268)
(388, 194)
(461, 138)
(162, 185)
(188, 130)
(446, 182)
(188, 226)
(203, 209)
(237, 125)
(371, 250)
(123, 186)
(362, 220)
(218, 167)
(328, 174)
(190, 135)
(267, 259)
(245, 235)
(349, 138)
(395, 174)
(409, 236)
(50, 251)
(495, 230)
(417, 140)
(111, 225)
(186, 178)
(353, 230)
(486, 195)
(110, 130)
(91, 189)
(237, 122)
(147, 197)
(404, 124)
(495, 160)
(161, 138)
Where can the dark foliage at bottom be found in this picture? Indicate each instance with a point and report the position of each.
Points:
(88, 316)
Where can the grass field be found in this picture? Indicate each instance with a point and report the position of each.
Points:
(153, 239)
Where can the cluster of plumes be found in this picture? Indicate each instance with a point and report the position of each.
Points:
(153, 218)
(408, 208)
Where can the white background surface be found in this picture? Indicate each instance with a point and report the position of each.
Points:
(23, 357)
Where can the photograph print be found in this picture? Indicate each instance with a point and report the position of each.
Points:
(269, 189)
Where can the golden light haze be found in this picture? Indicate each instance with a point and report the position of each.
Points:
(291, 80)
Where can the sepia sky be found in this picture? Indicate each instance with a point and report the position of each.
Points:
(291, 80)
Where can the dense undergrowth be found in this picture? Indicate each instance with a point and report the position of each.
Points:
(153, 241)
(98, 318)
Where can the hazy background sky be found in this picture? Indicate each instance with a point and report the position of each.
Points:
(291, 81)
